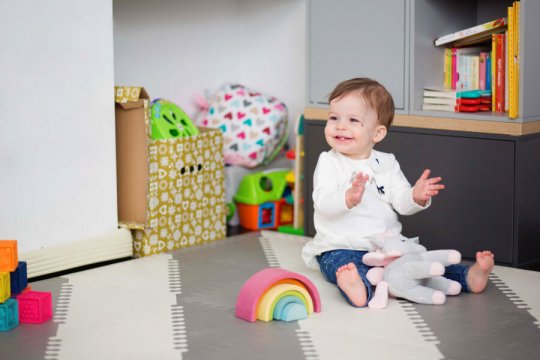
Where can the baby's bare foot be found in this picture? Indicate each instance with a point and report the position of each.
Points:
(479, 272)
(351, 284)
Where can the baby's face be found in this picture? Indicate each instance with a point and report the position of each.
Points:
(352, 127)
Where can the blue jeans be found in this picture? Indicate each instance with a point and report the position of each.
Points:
(330, 261)
(458, 273)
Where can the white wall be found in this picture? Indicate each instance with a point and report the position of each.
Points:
(57, 152)
(176, 49)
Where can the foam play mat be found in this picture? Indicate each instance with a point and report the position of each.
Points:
(181, 305)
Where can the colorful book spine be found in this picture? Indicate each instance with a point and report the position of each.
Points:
(513, 111)
(500, 72)
(454, 68)
(482, 64)
(493, 67)
(447, 68)
(475, 71)
(475, 30)
(510, 61)
(488, 72)
(516, 50)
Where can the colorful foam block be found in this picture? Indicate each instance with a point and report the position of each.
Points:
(280, 284)
(35, 307)
(9, 315)
(18, 278)
(5, 287)
(9, 257)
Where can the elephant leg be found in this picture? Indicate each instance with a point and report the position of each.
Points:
(424, 295)
(447, 286)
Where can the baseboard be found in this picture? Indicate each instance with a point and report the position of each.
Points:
(113, 245)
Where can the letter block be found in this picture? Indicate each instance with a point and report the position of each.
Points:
(5, 291)
(9, 317)
(19, 278)
(9, 257)
(35, 307)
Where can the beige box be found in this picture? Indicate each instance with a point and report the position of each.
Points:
(171, 193)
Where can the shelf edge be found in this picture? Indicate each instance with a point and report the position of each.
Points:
(440, 123)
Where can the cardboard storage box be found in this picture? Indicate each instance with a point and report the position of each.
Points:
(171, 193)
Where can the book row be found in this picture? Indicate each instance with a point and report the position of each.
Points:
(480, 63)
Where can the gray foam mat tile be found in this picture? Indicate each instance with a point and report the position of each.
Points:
(37, 341)
(216, 274)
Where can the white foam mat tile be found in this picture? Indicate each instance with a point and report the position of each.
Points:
(120, 311)
(341, 331)
(516, 284)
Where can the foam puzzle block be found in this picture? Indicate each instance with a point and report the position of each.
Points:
(9, 257)
(19, 278)
(35, 307)
(5, 291)
(9, 315)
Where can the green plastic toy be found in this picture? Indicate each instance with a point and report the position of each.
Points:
(169, 121)
(261, 187)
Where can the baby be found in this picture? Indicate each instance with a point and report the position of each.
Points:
(358, 190)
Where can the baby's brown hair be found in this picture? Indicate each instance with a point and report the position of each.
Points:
(376, 96)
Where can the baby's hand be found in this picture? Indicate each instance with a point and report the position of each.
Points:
(353, 196)
(425, 188)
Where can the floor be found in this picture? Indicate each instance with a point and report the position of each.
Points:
(181, 305)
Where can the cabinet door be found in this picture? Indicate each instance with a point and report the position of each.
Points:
(314, 145)
(352, 38)
(475, 211)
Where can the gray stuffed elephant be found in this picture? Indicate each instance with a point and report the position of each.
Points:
(405, 269)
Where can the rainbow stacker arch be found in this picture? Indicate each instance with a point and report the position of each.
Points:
(277, 294)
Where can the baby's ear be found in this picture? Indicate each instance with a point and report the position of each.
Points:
(380, 133)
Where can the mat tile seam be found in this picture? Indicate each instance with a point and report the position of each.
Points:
(271, 257)
(510, 294)
(178, 321)
(54, 344)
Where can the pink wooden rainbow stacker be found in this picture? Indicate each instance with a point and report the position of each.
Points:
(277, 294)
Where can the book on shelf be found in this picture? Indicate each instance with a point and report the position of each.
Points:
(512, 59)
(441, 92)
(473, 35)
(452, 108)
(500, 64)
(482, 70)
(447, 68)
(449, 101)
(488, 72)
(442, 99)
(462, 66)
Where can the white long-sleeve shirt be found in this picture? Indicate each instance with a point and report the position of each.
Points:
(338, 227)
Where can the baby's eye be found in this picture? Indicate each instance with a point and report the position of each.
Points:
(357, 122)
(333, 118)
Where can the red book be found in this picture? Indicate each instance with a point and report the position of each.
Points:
(499, 72)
